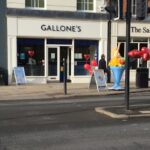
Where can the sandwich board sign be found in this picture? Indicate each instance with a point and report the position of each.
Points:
(19, 74)
(98, 79)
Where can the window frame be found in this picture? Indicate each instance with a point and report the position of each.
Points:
(85, 5)
(133, 8)
(139, 43)
(34, 7)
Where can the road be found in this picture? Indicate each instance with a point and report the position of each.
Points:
(71, 125)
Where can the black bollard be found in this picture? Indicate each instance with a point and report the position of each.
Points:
(65, 75)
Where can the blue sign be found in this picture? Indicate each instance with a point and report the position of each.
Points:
(19, 75)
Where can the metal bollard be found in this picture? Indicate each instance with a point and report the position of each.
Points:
(65, 75)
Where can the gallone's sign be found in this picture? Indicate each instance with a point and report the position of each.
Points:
(61, 28)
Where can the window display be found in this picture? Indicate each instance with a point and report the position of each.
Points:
(136, 44)
(84, 48)
(30, 55)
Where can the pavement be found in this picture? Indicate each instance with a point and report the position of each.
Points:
(54, 91)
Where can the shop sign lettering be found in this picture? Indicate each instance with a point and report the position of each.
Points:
(61, 28)
(140, 30)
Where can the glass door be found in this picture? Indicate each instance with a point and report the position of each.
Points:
(53, 63)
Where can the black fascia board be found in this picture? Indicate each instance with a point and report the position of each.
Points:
(55, 14)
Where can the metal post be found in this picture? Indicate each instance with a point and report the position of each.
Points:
(65, 75)
(127, 69)
(109, 46)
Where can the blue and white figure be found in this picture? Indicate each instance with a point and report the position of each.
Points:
(117, 74)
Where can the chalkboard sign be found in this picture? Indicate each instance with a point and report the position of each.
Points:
(98, 78)
(19, 75)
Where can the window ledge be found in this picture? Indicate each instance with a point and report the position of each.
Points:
(35, 8)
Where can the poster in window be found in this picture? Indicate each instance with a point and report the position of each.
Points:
(52, 55)
(78, 55)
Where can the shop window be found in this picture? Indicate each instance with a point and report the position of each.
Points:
(148, 9)
(121, 49)
(143, 63)
(35, 3)
(133, 62)
(83, 47)
(85, 5)
(30, 55)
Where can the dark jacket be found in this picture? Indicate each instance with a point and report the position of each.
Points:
(102, 65)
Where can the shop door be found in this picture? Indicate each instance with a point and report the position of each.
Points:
(65, 52)
(53, 63)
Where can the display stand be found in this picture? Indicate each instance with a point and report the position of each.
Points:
(98, 79)
(19, 74)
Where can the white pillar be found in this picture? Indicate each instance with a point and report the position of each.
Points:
(12, 56)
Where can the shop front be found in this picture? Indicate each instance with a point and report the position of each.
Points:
(140, 37)
(45, 61)
(40, 45)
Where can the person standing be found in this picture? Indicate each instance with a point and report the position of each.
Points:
(102, 63)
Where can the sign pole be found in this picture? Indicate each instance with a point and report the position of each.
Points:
(127, 67)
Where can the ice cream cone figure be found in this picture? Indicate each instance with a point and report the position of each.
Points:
(117, 74)
(117, 66)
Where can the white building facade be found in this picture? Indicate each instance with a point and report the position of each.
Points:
(40, 33)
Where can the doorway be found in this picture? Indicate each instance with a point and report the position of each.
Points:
(55, 63)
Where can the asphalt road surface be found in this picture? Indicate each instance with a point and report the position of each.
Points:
(71, 125)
